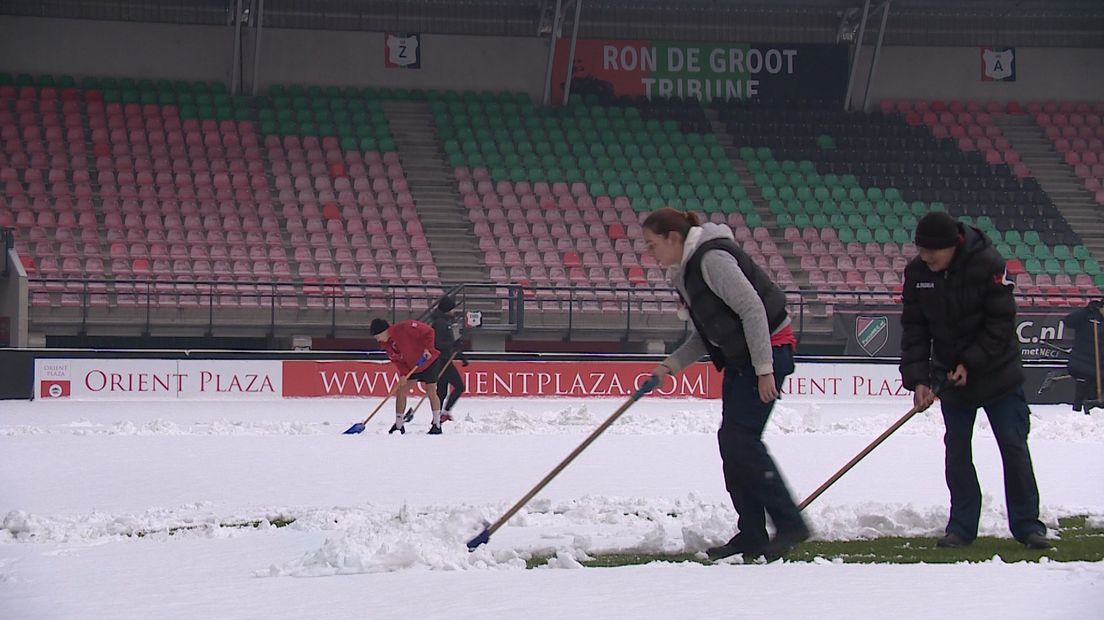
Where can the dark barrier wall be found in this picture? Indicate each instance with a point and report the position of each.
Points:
(17, 365)
(871, 332)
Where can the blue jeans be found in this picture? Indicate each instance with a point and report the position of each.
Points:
(1009, 419)
(751, 476)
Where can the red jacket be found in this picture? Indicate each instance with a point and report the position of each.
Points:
(408, 341)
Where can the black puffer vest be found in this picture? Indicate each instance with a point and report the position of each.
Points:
(715, 320)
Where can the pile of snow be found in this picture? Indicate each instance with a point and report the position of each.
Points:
(375, 541)
(372, 539)
(490, 416)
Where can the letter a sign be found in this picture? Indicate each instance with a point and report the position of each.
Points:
(998, 64)
(402, 50)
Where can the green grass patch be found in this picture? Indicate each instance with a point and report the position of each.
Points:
(1077, 542)
(254, 524)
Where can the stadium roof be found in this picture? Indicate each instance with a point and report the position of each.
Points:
(1075, 23)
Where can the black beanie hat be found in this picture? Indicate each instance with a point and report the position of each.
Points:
(937, 231)
(446, 304)
(378, 326)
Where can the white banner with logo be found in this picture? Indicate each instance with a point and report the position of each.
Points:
(236, 380)
(158, 380)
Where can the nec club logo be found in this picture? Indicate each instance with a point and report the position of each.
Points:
(872, 333)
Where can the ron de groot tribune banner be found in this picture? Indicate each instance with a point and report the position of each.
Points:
(704, 71)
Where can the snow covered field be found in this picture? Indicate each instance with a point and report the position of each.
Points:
(116, 510)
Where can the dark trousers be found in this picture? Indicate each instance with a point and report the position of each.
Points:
(751, 476)
(1009, 419)
(450, 376)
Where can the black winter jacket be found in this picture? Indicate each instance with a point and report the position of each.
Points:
(446, 337)
(1081, 364)
(963, 315)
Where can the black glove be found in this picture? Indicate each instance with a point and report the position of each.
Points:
(396, 427)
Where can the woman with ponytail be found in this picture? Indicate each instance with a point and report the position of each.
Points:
(740, 321)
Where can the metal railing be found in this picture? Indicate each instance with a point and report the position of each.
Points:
(326, 308)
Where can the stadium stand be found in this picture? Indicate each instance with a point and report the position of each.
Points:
(181, 184)
(173, 196)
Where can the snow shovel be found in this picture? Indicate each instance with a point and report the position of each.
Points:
(359, 427)
(858, 457)
(1096, 354)
(1052, 377)
(489, 529)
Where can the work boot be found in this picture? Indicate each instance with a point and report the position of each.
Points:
(396, 427)
(434, 429)
(784, 542)
(952, 541)
(737, 544)
(1037, 541)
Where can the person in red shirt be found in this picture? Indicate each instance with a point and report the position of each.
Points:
(409, 346)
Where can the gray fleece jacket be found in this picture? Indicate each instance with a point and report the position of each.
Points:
(724, 277)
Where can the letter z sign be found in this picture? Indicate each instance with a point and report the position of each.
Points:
(402, 50)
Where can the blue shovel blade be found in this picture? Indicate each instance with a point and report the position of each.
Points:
(480, 539)
(354, 429)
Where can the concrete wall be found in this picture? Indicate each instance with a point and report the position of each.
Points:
(448, 61)
(83, 47)
(14, 301)
(124, 49)
(1042, 73)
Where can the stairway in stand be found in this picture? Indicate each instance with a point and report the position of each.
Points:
(811, 317)
(1057, 179)
(445, 220)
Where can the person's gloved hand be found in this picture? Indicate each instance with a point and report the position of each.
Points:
(422, 360)
(649, 385)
